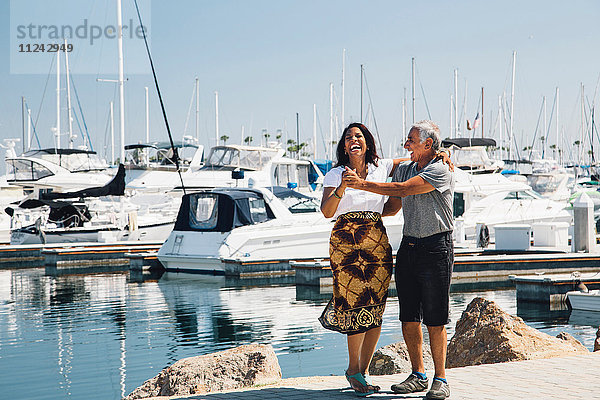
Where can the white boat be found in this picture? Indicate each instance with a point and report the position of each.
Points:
(239, 166)
(492, 199)
(101, 214)
(58, 170)
(586, 301)
(151, 166)
(222, 227)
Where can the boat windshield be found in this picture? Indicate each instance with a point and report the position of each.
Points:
(26, 170)
(522, 195)
(544, 183)
(249, 159)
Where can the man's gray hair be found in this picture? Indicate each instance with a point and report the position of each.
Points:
(429, 129)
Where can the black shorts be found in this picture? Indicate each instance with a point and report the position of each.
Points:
(423, 273)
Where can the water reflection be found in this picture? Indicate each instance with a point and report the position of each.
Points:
(100, 336)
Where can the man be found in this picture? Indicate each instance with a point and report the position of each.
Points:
(424, 188)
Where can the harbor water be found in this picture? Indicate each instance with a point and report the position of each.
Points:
(100, 336)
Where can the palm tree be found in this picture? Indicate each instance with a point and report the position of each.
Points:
(224, 138)
(248, 140)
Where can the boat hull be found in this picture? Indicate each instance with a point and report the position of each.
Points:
(585, 301)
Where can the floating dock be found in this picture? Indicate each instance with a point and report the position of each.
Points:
(552, 288)
(488, 269)
(74, 257)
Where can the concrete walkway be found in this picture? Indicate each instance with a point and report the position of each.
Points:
(575, 377)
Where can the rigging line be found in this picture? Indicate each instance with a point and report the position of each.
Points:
(105, 147)
(37, 117)
(162, 106)
(537, 125)
(82, 116)
(322, 136)
(37, 139)
(373, 112)
(423, 92)
(187, 119)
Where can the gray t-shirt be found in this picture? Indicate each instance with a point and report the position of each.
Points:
(428, 213)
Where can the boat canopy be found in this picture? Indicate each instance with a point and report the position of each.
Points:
(222, 210)
(74, 160)
(65, 214)
(227, 158)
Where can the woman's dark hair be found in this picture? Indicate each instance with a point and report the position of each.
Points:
(371, 156)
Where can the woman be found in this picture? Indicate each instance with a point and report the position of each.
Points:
(360, 252)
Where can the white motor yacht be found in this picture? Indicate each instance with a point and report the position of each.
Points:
(58, 170)
(223, 227)
(102, 214)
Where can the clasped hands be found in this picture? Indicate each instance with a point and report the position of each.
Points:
(350, 178)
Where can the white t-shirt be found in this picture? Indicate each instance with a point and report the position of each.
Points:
(356, 199)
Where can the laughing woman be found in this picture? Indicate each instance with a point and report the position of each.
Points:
(360, 253)
(359, 250)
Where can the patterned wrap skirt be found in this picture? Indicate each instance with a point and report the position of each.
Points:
(361, 261)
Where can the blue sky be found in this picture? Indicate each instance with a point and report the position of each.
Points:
(272, 59)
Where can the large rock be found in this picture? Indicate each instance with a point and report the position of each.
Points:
(485, 334)
(597, 341)
(243, 366)
(394, 359)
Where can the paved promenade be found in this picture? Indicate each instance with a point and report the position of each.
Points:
(576, 377)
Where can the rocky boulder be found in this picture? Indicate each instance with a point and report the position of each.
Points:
(597, 341)
(243, 366)
(394, 359)
(485, 334)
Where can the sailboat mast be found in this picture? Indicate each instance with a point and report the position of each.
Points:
(57, 100)
(413, 89)
(361, 93)
(147, 115)
(512, 106)
(451, 115)
(455, 102)
(582, 125)
(217, 118)
(297, 137)
(330, 144)
(112, 133)
(343, 83)
(314, 131)
(121, 81)
(198, 108)
(482, 110)
(404, 118)
(500, 116)
(558, 141)
(146, 153)
(545, 130)
(28, 130)
(69, 109)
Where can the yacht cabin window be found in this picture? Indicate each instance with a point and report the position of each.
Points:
(26, 170)
(203, 211)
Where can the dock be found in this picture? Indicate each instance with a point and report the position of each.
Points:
(74, 257)
(483, 269)
(552, 288)
(568, 378)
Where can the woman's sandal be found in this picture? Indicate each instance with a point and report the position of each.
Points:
(360, 379)
(370, 383)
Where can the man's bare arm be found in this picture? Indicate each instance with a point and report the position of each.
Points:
(415, 185)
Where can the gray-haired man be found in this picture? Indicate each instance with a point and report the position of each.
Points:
(424, 188)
